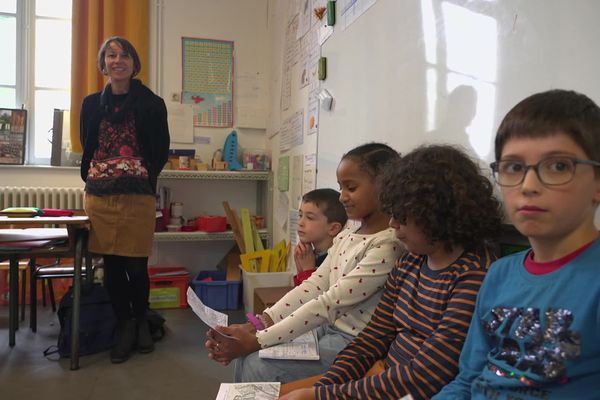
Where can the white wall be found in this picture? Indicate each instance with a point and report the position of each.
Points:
(279, 12)
(46, 176)
(393, 72)
(244, 23)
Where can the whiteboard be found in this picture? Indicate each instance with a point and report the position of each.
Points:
(409, 72)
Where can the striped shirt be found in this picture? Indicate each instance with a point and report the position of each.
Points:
(418, 328)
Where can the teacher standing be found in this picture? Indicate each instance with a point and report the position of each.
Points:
(125, 139)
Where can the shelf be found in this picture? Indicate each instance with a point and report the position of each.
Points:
(201, 236)
(216, 175)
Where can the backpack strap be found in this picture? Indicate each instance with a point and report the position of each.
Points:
(51, 350)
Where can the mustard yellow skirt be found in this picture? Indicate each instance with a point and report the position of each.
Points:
(122, 225)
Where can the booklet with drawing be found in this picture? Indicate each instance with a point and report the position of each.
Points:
(304, 347)
(252, 390)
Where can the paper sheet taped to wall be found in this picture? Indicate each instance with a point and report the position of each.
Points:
(181, 122)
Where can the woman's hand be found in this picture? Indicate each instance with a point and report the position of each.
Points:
(300, 394)
(304, 257)
(224, 349)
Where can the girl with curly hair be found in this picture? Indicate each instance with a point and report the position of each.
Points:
(443, 210)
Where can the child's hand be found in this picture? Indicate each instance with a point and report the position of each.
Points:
(376, 369)
(223, 349)
(300, 394)
(304, 257)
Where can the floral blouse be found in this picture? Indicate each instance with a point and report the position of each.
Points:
(117, 166)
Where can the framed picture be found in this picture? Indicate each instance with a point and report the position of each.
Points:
(13, 124)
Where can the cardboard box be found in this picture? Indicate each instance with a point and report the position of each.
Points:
(253, 280)
(265, 297)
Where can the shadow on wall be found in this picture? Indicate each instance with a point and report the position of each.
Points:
(457, 115)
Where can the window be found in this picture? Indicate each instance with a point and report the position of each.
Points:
(36, 68)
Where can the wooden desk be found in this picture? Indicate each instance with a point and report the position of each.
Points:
(77, 228)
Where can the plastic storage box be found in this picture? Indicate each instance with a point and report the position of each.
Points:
(218, 294)
(253, 280)
(168, 286)
(211, 223)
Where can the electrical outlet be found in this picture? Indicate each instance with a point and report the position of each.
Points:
(175, 97)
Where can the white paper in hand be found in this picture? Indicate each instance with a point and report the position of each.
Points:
(209, 316)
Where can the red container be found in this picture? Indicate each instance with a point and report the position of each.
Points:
(212, 223)
(162, 278)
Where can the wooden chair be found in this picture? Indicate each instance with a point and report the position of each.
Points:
(23, 266)
(57, 268)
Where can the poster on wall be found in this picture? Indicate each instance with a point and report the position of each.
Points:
(283, 174)
(294, 217)
(208, 81)
(312, 115)
(296, 180)
(351, 10)
(12, 136)
(309, 180)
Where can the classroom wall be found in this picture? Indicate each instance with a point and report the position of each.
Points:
(37, 176)
(285, 201)
(377, 73)
(244, 23)
(423, 71)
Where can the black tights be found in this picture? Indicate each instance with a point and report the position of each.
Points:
(128, 285)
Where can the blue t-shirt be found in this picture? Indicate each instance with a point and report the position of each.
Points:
(534, 336)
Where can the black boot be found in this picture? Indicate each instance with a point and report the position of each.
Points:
(125, 341)
(145, 343)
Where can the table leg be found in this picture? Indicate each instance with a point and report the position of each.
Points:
(89, 272)
(76, 300)
(23, 290)
(13, 299)
(32, 296)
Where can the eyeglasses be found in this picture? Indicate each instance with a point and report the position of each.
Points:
(551, 171)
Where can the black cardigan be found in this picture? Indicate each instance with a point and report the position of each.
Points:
(150, 123)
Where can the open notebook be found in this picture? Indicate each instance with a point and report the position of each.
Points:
(304, 347)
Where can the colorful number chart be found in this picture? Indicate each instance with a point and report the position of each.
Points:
(208, 81)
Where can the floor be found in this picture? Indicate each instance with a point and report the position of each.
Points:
(178, 368)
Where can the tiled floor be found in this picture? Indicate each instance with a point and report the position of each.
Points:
(177, 370)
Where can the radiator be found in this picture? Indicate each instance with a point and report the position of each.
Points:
(68, 198)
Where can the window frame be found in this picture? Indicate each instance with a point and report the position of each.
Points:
(25, 87)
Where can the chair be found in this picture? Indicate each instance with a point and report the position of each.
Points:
(53, 270)
(23, 265)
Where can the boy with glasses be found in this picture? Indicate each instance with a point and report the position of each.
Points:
(535, 331)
